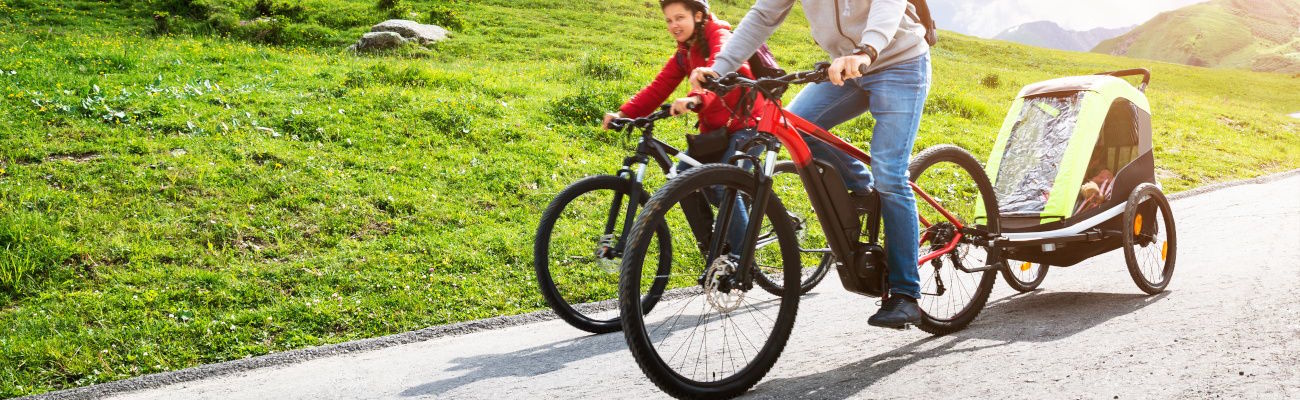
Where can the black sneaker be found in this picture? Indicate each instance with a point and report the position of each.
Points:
(897, 313)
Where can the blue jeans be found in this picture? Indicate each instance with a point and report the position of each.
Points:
(895, 96)
(740, 217)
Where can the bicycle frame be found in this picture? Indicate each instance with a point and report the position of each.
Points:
(840, 235)
(649, 149)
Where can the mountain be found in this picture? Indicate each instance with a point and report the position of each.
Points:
(1050, 35)
(1261, 35)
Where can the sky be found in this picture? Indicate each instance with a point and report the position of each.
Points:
(986, 18)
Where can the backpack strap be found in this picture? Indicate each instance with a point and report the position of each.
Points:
(924, 18)
(680, 58)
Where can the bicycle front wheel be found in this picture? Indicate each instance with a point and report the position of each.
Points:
(719, 334)
(576, 255)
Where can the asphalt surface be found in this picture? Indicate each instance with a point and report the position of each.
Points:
(1228, 327)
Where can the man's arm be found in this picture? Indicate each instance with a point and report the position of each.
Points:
(758, 25)
(882, 23)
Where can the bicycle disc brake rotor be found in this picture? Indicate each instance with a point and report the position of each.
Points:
(723, 298)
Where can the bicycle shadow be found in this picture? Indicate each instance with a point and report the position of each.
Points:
(537, 360)
(1033, 317)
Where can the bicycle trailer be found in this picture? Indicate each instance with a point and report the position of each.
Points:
(1069, 160)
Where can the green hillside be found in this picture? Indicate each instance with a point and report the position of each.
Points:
(192, 181)
(1260, 35)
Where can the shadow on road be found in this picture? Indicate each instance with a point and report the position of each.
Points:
(533, 361)
(1032, 317)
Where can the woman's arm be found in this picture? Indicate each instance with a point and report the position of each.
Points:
(648, 99)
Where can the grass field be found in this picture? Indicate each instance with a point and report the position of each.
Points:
(178, 187)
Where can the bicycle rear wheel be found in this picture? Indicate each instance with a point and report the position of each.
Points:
(576, 257)
(718, 335)
(816, 257)
(952, 295)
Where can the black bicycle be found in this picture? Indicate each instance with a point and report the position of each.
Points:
(579, 244)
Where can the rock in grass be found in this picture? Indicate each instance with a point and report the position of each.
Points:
(411, 30)
(377, 41)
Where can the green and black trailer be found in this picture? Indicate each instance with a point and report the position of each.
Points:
(1074, 174)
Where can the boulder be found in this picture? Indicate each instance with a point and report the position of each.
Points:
(411, 30)
(378, 41)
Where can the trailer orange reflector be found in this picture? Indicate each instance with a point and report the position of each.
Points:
(1025, 266)
(1164, 251)
(1137, 225)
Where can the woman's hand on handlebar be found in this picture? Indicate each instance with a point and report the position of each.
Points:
(684, 105)
(847, 67)
(700, 75)
(610, 117)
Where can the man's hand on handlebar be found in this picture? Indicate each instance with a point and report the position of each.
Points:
(610, 117)
(685, 104)
(847, 67)
(699, 75)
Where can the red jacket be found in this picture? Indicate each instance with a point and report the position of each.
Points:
(714, 112)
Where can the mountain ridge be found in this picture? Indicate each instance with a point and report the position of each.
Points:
(1259, 35)
(1048, 34)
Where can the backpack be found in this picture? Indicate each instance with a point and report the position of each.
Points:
(762, 63)
(923, 16)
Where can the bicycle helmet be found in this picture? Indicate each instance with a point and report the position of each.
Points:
(702, 5)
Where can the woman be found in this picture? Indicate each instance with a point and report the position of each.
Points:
(699, 38)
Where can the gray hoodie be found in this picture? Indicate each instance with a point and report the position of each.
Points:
(838, 26)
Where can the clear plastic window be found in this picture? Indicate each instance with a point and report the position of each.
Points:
(1034, 152)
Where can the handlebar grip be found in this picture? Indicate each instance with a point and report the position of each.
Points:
(693, 106)
(619, 123)
(862, 69)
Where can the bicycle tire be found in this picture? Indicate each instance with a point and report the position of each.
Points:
(971, 167)
(542, 249)
(639, 340)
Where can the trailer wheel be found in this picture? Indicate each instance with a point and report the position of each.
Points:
(1150, 242)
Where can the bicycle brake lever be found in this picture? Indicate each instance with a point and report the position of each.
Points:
(618, 124)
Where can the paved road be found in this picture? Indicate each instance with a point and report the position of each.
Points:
(1229, 327)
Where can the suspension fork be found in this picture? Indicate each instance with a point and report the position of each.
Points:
(635, 178)
(763, 195)
(763, 171)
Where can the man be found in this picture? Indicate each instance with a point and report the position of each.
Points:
(886, 37)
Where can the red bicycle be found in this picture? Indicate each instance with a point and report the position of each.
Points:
(721, 337)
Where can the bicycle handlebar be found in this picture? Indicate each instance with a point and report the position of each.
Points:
(664, 112)
(733, 80)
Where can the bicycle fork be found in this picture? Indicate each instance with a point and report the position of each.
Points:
(728, 204)
(634, 200)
